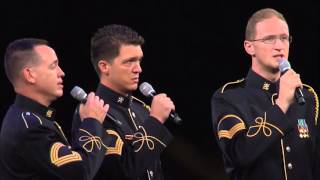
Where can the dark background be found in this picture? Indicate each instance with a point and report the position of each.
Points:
(192, 48)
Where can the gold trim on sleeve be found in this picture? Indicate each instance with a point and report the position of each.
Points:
(117, 149)
(261, 123)
(236, 128)
(143, 137)
(59, 161)
(90, 141)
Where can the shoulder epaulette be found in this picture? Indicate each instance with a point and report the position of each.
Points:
(30, 119)
(316, 99)
(231, 84)
(140, 101)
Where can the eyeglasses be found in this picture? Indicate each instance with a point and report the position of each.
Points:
(272, 39)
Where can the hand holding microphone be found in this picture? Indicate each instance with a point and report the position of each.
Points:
(91, 105)
(93, 108)
(290, 86)
(161, 107)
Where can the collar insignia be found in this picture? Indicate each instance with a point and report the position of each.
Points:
(120, 100)
(266, 86)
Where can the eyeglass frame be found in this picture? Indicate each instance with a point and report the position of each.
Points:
(273, 38)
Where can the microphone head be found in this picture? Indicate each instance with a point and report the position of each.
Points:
(284, 65)
(78, 93)
(146, 89)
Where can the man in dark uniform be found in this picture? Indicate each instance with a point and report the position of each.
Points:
(259, 126)
(137, 143)
(32, 144)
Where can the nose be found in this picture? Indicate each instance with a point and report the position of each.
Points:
(60, 72)
(279, 44)
(137, 68)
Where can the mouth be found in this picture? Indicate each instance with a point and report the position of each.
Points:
(279, 57)
(60, 84)
(135, 80)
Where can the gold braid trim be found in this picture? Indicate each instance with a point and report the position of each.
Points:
(117, 148)
(90, 141)
(316, 99)
(59, 161)
(236, 128)
(229, 83)
(143, 137)
(284, 161)
(143, 103)
(262, 124)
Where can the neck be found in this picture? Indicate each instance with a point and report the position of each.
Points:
(271, 74)
(33, 95)
(112, 87)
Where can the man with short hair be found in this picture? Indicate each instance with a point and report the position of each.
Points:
(32, 144)
(261, 129)
(136, 145)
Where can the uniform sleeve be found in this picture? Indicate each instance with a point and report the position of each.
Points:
(243, 140)
(130, 155)
(45, 147)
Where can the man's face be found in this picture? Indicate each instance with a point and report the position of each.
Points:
(48, 74)
(272, 44)
(123, 73)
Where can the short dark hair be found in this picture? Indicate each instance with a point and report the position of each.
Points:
(106, 42)
(258, 17)
(20, 53)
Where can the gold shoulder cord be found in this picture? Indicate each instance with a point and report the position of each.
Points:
(230, 83)
(143, 103)
(316, 99)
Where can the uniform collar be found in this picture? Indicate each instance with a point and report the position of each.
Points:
(256, 81)
(111, 96)
(28, 104)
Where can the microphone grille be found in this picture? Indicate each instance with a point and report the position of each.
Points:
(284, 65)
(78, 93)
(146, 89)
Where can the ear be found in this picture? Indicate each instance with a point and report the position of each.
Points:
(29, 75)
(248, 46)
(104, 66)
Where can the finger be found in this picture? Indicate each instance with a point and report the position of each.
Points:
(162, 95)
(80, 107)
(101, 101)
(90, 97)
(106, 107)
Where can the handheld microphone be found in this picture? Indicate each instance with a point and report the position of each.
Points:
(284, 66)
(147, 90)
(80, 95)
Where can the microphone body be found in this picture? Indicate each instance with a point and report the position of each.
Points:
(80, 95)
(284, 66)
(147, 90)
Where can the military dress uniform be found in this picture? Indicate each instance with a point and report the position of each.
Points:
(260, 142)
(134, 152)
(33, 146)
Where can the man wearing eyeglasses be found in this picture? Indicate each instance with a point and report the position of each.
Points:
(259, 126)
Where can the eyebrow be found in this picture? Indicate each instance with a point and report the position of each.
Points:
(133, 58)
(55, 62)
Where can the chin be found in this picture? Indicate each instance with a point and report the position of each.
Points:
(59, 93)
(135, 87)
